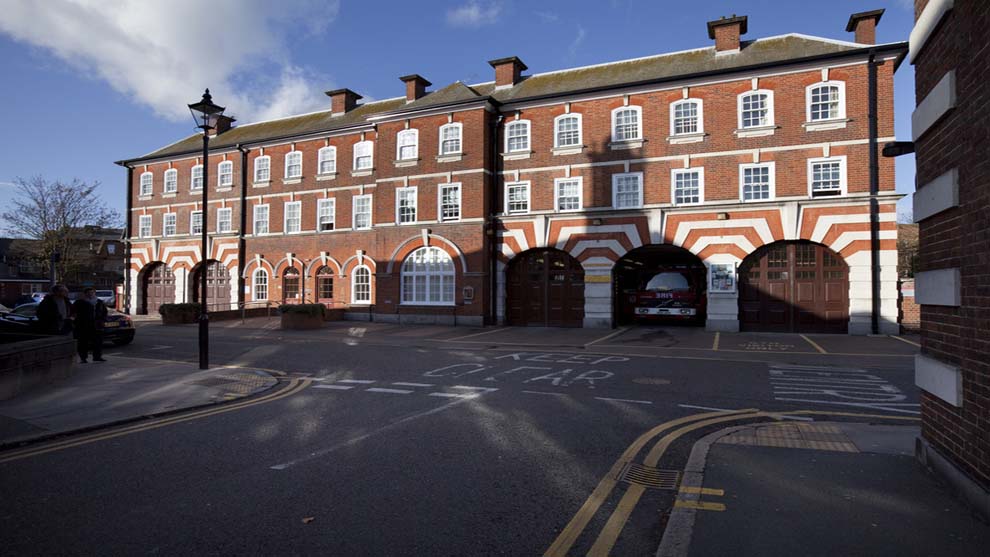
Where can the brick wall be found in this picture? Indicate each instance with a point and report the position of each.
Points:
(909, 312)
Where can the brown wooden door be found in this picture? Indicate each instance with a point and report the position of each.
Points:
(159, 288)
(545, 288)
(217, 286)
(794, 287)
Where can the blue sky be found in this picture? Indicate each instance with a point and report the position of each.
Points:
(86, 85)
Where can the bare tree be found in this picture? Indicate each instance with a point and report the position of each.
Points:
(56, 213)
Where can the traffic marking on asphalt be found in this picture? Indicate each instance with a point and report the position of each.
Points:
(498, 329)
(702, 491)
(334, 387)
(608, 336)
(404, 384)
(358, 381)
(814, 344)
(624, 400)
(392, 391)
(911, 342)
(718, 335)
(544, 393)
(456, 395)
(699, 505)
(839, 386)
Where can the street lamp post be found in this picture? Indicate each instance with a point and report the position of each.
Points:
(205, 114)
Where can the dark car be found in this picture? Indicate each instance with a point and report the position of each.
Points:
(118, 328)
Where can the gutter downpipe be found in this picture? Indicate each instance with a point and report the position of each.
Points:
(492, 211)
(874, 191)
(241, 227)
(127, 241)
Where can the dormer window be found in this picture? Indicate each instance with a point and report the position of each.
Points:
(517, 136)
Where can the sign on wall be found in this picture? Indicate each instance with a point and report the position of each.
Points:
(722, 278)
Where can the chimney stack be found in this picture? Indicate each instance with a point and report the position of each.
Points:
(507, 71)
(342, 100)
(726, 32)
(415, 86)
(864, 24)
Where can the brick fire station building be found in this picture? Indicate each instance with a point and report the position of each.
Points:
(537, 199)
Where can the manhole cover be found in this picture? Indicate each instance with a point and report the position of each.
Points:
(651, 381)
(647, 476)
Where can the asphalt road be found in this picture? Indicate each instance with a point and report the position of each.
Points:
(409, 441)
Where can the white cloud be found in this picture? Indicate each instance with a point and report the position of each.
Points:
(475, 13)
(162, 55)
(577, 42)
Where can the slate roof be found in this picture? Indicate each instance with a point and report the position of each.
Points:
(768, 51)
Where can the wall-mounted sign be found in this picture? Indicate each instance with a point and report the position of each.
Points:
(722, 277)
(468, 292)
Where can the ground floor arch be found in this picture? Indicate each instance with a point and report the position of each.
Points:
(545, 287)
(218, 285)
(659, 284)
(794, 286)
(157, 287)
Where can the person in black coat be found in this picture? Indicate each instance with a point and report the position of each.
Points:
(54, 311)
(89, 314)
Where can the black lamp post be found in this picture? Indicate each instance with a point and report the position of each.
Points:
(205, 114)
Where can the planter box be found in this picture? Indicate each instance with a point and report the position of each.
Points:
(34, 361)
(301, 321)
(336, 314)
(179, 318)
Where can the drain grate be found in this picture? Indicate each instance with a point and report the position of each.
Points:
(647, 476)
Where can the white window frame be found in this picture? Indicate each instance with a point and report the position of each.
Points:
(165, 219)
(254, 220)
(258, 160)
(285, 216)
(515, 123)
(842, 100)
(615, 193)
(144, 226)
(639, 123)
(460, 139)
(556, 194)
(411, 132)
(354, 276)
(701, 117)
(529, 200)
(171, 177)
(425, 275)
(701, 185)
(225, 215)
(192, 177)
(326, 154)
(772, 176)
(580, 130)
(770, 108)
(415, 204)
(146, 187)
(440, 205)
(229, 174)
(371, 155)
(288, 158)
(354, 213)
(320, 204)
(192, 222)
(843, 177)
(254, 285)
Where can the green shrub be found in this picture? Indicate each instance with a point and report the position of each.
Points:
(167, 310)
(313, 310)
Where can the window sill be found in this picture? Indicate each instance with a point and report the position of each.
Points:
(168, 195)
(450, 157)
(355, 229)
(516, 213)
(225, 232)
(359, 173)
(755, 132)
(628, 144)
(406, 162)
(144, 198)
(576, 150)
(449, 221)
(327, 176)
(225, 188)
(408, 223)
(360, 304)
(822, 125)
(326, 231)
(686, 138)
(827, 193)
(261, 184)
(640, 206)
(196, 190)
(290, 181)
(516, 156)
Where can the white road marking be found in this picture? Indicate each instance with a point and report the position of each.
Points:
(455, 395)
(335, 387)
(887, 406)
(624, 400)
(358, 381)
(706, 408)
(160, 347)
(394, 391)
(403, 384)
(544, 393)
(471, 335)
(318, 378)
(468, 387)
(839, 386)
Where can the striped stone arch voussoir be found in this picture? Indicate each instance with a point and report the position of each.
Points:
(323, 260)
(585, 240)
(845, 229)
(255, 263)
(739, 235)
(515, 238)
(412, 244)
(180, 256)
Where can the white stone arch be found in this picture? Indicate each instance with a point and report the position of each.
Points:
(425, 238)
(361, 259)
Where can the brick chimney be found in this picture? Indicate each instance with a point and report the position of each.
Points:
(415, 86)
(726, 32)
(342, 100)
(507, 71)
(864, 24)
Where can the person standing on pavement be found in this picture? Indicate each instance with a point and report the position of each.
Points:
(90, 315)
(54, 312)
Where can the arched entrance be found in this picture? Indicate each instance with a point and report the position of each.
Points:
(291, 289)
(545, 287)
(324, 285)
(157, 288)
(660, 284)
(217, 285)
(799, 287)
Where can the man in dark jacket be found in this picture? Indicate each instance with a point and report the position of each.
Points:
(53, 312)
(89, 314)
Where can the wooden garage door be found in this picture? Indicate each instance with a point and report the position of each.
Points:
(545, 288)
(794, 287)
(217, 286)
(159, 288)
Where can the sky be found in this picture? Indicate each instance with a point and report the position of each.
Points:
(90, 82)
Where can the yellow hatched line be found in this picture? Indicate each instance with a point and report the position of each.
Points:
(702, 491)
(815, 344)
(911, 342)
(699, 505)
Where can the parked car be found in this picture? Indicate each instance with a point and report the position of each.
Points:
(108, 296)
(669, 292)
(118, 328)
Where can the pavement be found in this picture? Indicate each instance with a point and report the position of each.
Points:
(119, 390)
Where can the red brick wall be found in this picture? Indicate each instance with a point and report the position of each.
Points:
(958, 237)
(909, 312)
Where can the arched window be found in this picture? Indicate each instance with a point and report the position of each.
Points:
(147, 179)
(225, 174)
(755, 109)
(686, 117)
(450, 139)
(324, 285)
(293, 164)
(196, 177)
(361, 285)
(363, 155)
(626, 123)
(567, 131)
(428, 277)
(171, 180)
(517, 136)
(290, 286)
(327, 160)
(407, 145)
(260, 285)
(826, 101)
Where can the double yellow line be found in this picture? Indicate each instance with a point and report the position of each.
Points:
(294, 386)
